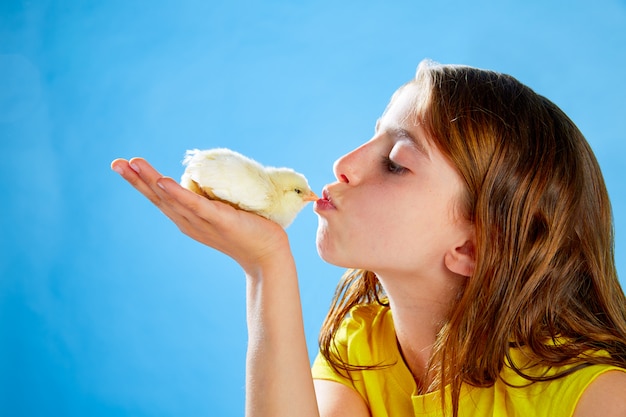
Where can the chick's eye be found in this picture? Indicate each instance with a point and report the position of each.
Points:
(298, 191)
(392, 167)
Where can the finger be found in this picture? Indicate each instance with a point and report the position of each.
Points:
(180, 205)
(147, 180)
(190, 200)
(195, 215)
(188, 210)
(146, 172)
(139, 174)
(194, 208)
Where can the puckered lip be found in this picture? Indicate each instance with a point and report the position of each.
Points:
(324, 203)
(326, 194)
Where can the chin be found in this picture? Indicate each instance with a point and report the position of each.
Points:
(327, 252)
(334, 257)
(332, 250)
(323, 250)
(336, 251)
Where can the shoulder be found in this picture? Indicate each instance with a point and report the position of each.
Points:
(364, 338)
(366, 322)
(368, 314)
(605, 396)
(598, 389)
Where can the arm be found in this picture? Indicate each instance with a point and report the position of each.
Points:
(278, 377)
(605, 396)
(279, 381)
(338, 400)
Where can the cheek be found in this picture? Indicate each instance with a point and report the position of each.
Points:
(368, 229)
(412, 226)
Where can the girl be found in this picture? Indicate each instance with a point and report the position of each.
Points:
(479, 235)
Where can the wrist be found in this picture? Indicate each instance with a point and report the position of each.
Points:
(275, 259)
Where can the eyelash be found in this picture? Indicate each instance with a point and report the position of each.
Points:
(392, 167)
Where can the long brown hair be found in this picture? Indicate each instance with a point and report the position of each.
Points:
(545, 275)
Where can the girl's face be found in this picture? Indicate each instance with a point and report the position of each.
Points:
(394, 207)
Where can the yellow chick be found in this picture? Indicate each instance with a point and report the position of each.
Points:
(225, 175)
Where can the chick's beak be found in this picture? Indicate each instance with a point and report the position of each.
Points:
(311, 196)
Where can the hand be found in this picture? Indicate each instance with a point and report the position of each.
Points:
(249, 239)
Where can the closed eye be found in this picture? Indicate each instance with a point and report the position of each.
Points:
(393, 167)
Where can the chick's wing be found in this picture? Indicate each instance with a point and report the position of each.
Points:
(230, 177)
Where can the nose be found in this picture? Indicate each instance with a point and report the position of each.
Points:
(339, 170)
(350, 167)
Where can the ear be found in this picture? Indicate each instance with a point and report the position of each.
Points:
(461, 259)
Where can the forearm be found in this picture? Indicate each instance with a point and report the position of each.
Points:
(278, 377)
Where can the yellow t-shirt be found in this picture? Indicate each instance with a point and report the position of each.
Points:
(368, 337)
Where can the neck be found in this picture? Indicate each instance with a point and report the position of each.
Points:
(420, 308)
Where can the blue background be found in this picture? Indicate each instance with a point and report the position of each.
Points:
(106, 309)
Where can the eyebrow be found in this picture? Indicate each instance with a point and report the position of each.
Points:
(399, 132)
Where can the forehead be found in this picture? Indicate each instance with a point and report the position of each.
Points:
(402, 110)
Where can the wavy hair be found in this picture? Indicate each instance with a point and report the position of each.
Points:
(545, 276)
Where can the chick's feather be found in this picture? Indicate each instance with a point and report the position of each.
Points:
(225, 175)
